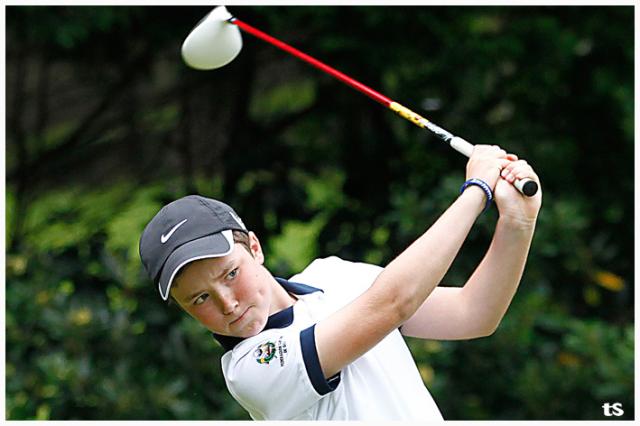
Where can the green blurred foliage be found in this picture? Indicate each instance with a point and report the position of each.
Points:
(105, 125)
(535, 366)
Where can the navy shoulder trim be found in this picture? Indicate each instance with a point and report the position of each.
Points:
(296, 288)
(312, 363)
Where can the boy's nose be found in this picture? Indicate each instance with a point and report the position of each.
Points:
(228, 303)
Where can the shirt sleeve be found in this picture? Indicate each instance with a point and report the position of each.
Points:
(340, 279)
(276, 375)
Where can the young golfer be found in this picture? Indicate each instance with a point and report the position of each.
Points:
(327, 344)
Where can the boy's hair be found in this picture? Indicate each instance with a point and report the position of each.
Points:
(239, 237)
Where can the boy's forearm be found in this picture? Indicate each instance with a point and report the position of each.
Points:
(411, 277)
(488, 292)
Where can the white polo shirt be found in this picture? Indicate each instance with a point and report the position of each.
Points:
(276, 374)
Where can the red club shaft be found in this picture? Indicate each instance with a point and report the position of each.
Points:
(526, 186)
(378, 97)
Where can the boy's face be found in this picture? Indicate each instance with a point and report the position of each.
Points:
(230, 295)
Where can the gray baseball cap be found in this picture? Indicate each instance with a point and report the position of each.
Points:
(185, 230)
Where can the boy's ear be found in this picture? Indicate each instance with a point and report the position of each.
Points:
(256, 249)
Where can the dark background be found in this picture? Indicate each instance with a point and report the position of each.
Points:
(105, 124)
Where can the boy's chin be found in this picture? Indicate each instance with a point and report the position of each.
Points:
(252, 331)
(246, 332)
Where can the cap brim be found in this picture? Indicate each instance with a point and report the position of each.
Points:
(216, 245)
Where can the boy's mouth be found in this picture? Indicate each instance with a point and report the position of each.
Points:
(240, 317)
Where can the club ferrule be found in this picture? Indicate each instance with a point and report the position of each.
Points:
(406, 113)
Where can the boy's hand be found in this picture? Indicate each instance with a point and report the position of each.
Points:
(512, 205)
(486, 162)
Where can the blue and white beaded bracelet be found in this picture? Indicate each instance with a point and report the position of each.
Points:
(482, 184)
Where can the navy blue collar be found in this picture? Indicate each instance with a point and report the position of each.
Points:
(280, 319)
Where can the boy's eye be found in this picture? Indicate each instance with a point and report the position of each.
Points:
(200, 299)
(231, 275)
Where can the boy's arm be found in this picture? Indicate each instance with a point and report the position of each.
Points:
(405, 283)
(476, 309)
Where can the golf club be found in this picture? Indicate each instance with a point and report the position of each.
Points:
(215, 41)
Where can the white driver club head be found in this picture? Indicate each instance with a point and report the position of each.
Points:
(213, 43)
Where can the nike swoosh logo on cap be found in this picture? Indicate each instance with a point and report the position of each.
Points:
(165, 238)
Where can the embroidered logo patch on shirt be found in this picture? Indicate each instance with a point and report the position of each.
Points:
(282, 350)
(265, 352)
